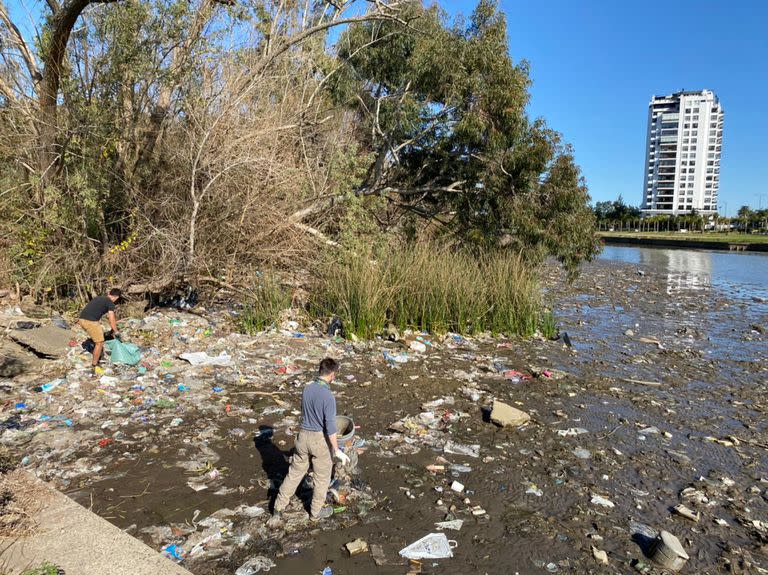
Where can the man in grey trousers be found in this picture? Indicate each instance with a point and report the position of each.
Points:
(316, 445)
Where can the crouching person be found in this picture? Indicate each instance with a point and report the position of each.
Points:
(316, 445)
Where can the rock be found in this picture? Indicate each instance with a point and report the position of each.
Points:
(508, 416)
(48, 340)
(600, 555)
(356, 547)
(629, 333)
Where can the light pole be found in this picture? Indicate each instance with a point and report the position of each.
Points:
(760, 200)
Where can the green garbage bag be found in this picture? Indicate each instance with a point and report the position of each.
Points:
(121, 352)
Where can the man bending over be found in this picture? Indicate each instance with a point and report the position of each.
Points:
(90, 320)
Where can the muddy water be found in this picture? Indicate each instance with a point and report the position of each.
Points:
(703, 373)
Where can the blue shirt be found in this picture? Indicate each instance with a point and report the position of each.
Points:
(318, 408)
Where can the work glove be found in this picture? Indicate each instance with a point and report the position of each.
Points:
(342, 457)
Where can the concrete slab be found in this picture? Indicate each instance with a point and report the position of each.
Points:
(47, 340)
(77, 540)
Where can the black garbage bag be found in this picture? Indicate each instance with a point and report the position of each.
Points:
(88, 345)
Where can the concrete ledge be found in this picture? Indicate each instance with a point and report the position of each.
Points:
(75, 539)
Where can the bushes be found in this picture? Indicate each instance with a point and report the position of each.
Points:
(262, 310)
(432, 289)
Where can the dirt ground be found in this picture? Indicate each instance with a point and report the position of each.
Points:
(657, 402)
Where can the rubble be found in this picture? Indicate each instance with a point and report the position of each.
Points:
(507, 416)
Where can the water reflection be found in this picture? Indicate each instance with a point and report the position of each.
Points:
(685, 270)
(737, 274)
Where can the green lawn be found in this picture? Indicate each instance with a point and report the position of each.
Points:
(731, 238)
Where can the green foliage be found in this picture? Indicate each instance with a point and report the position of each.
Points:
(616, 210)
(445, 111)
(45, 569)
(430, 288)
(548, 325)
(261, 311)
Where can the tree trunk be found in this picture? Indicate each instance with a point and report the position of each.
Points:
(61, 24)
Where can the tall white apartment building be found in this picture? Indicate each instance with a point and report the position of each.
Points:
(682, 158)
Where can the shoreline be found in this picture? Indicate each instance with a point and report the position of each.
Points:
(684, 243)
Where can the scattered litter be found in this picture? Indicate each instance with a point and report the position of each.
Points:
(455, 524)
(432, 546)
(600, 500)
(572, 431)
(255, 565)
(202, 358)
(600, 555)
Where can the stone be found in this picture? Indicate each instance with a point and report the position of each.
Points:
(49, 340)
(356, 547)
(508, 416)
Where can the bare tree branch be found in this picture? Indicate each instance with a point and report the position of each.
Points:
(29, 59)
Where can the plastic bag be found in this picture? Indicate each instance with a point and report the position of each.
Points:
(127, 353)
(255, 565)
(432, 546)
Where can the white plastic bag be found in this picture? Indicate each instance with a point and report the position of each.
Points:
(202, 358)
(432, 546)
(255, 565)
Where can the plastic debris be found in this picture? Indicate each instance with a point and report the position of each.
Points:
(202, 358)
(572, 431)
(120, 352)
(455, 524)
(432, 546)
(600, 500)
(255, 565)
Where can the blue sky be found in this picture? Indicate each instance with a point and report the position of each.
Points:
(596, 63)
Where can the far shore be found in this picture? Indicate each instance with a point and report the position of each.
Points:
(695, 240)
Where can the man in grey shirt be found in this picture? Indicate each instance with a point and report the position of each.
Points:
(316, 445)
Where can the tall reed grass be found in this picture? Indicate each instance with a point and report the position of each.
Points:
(433, 289)
(263, 309)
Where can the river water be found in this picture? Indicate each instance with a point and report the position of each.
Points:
(704, 303)
(735, 274)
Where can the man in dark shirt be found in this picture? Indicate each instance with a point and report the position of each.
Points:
(315, 444)
(90, 319)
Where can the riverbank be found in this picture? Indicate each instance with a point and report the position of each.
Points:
(710, 241)
(656, 403)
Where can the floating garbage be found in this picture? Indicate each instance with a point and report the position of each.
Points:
(432, 546)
